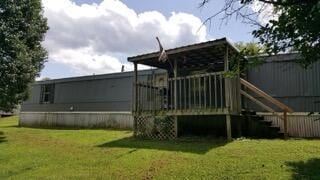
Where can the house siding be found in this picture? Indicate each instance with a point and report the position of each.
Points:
(282, 78)
(111, 92)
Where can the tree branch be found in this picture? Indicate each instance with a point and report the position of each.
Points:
(288, 2)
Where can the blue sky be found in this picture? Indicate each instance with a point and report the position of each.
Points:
(234, 29)
(103, 57)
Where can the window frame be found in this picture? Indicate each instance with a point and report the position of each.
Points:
(47, 94)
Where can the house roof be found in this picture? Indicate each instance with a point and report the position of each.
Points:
(281, 57)
(194, 55)
(100, 76)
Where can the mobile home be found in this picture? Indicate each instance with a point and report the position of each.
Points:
(192, 84)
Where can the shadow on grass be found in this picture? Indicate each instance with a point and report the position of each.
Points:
(197, 146)
(2, 137)
(10, 126)
(306, 170)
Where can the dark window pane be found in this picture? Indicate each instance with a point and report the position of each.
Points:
(47, 93)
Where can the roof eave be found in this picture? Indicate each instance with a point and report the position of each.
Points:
(182, 49)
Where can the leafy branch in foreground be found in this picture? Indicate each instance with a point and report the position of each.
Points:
(294, 25)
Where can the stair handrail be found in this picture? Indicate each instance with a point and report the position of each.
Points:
(265, 96)
(274, 101)
(260, 104)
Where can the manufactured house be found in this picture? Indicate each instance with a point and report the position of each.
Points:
(192, 91)
(103, 101)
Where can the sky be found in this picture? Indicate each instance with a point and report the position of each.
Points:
(89, 37)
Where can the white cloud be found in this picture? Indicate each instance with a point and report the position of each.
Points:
(94, 38)
(265, 11)
(86, 61)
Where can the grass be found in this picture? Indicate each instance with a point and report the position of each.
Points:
(29, 153)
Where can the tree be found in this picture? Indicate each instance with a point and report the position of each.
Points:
(295, 26)
(22, 29)
(251, 48)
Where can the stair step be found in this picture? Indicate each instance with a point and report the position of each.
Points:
(256, 117)
(268, 123)
(248, 112)
(281, 134)
(275, 128)
(260, 127)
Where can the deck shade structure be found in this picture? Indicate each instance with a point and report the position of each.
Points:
(194, 56)
(196, 83)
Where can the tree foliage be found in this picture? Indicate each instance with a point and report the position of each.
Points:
(22, 29)
(250, 48)
(296, 26)
(251, 52)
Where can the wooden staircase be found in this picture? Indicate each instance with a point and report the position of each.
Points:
(257, 125)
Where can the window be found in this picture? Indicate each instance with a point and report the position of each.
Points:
(47, 94)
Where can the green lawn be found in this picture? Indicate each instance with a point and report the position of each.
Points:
(27, 153)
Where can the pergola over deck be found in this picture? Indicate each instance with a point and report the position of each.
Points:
(197, 84)
(196, 56)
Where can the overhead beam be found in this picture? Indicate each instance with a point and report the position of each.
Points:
(180, 49)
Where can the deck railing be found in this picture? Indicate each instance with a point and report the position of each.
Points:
(150, 96)
(196, 92)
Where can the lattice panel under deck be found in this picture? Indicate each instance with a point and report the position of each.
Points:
(155, 127)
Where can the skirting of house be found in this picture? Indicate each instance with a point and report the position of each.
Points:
(300, 124)
(117, 120)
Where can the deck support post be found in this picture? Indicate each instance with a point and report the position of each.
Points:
(285, 124)
(228, 125)
(135, 108)
(175, 126)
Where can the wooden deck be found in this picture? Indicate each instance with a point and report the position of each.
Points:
(202, 94)
(196, 84)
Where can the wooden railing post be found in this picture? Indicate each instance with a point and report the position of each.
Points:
(135, 108)
(135, 87)
(226, 80)
(238, 94)
(175, 74)
(227, 92)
